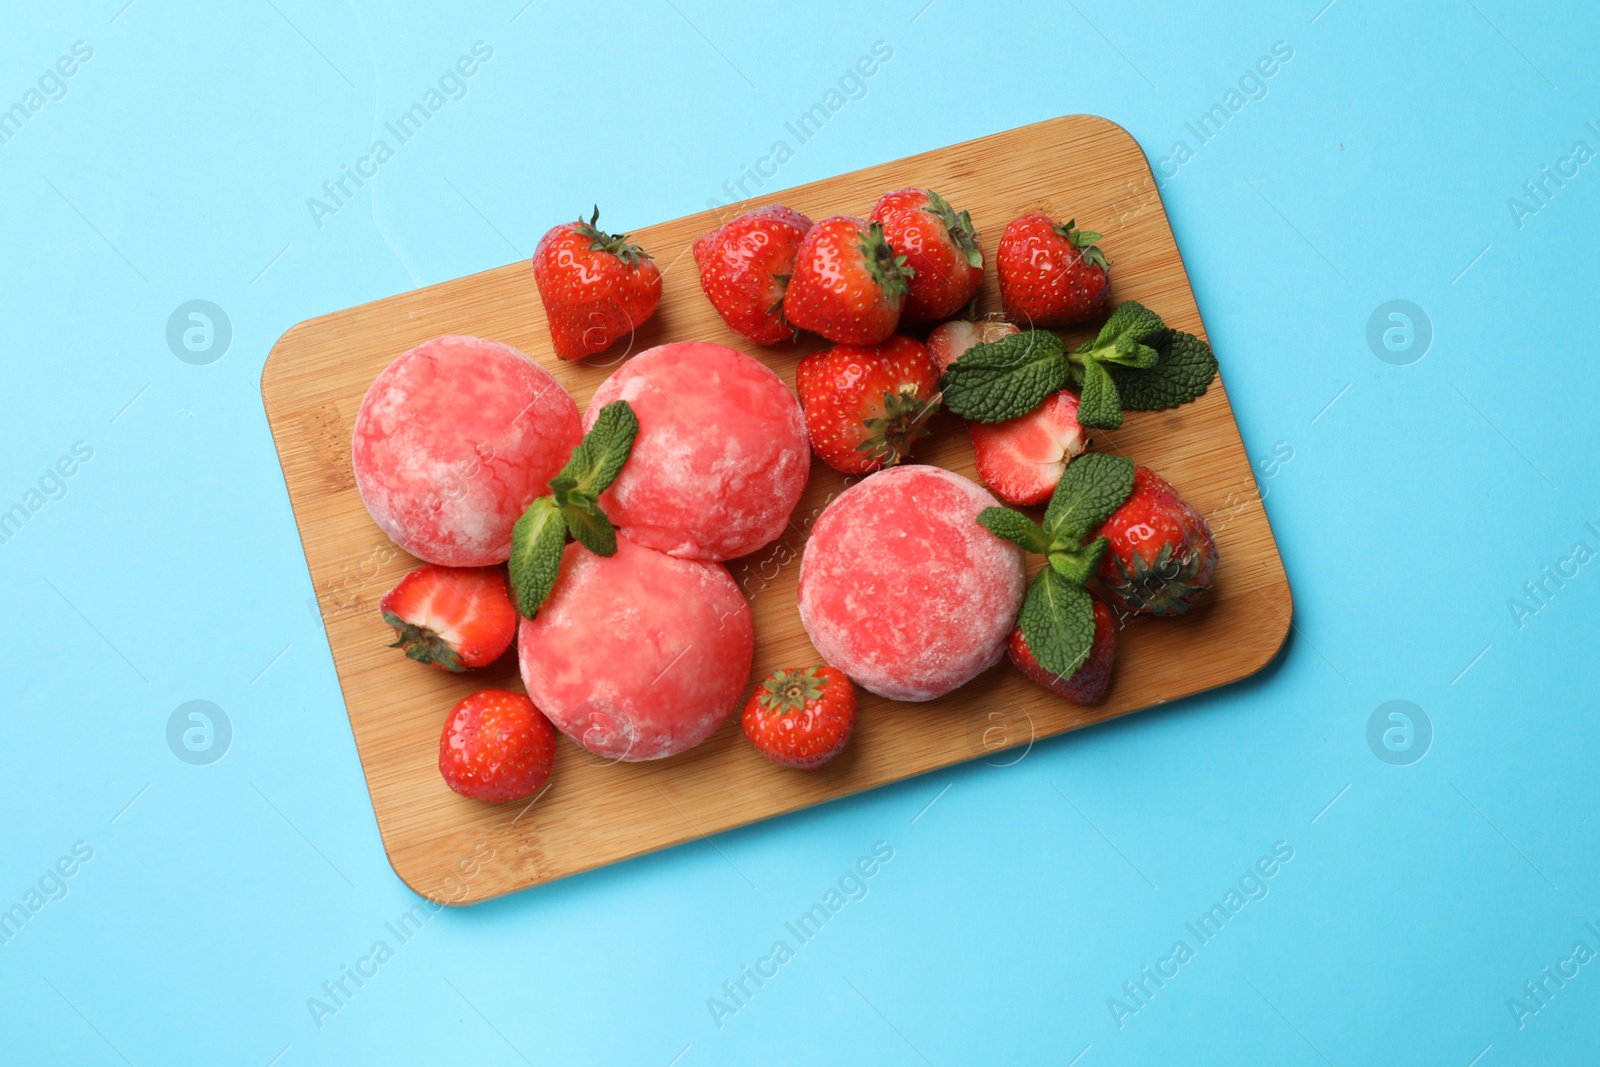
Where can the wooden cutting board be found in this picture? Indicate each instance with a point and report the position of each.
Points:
(593, 813)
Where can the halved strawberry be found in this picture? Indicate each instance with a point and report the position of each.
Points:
(1021, 460)
(947, 342)
(1087, 684)
(452, 618)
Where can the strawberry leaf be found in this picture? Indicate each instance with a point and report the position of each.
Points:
(1003, 379)
(1057, 621)
(1015, 527)
(1184, 368)
(1098, 405)
(536, 543)
(1092, 487)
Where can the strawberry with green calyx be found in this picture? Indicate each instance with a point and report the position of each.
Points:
(848, 284)
(745, 266)
(939, 246)
(1136, 363)
(1161, 555)
(1057, 624)
(452, 618)
(866, 405)
(1051, 274)
(597, 287)
(801, 717)
(573, 506)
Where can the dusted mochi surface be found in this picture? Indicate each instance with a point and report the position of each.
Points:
(902, 590)
(722, 454)
(639, 655)
(453, 441)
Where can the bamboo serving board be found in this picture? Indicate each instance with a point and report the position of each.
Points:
(458, 851)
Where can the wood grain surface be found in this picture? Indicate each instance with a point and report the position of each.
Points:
(459, 851)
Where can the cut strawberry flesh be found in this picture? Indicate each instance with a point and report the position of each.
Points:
(947, 343)
(1022, 459)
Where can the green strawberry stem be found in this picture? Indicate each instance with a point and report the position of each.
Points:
(615, 243)
(889, 270)
(788, 691)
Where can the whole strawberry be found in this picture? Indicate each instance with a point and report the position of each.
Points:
(1162, 555)
(801, 717)
(1051, 275)
(452, 618)
(1087, 684)
(848, 283)
(865, 406)
(940, 247)
(596, 287)
(745, 267)
(496, 747)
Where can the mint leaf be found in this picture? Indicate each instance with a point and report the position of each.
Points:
(536, 543)
(589, 527)
(1092, 487)
(599, 457)
(1098, 405)
(1079, 566)
(1015, 527)
(1002, 379)
(1183, 371)
(1057, 621)
(1131, 324)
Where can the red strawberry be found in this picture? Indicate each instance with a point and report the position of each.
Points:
(949, 341)
(939, 246)
(1162, 555)
(848, 284)
(745, 267)
(1051, 275)
(1087, 684)
(1020, 459)
(496, 747)
(452, 618)
(801, 717)
(597, 288)
(865, 406)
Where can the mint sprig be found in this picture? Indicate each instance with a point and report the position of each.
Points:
(572, 507)
(1135, 363)
(1057, 617)
(1002, 379)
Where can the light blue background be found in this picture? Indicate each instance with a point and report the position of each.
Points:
(1378, 166)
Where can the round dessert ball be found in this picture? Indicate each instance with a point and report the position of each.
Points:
(453, 441)
(639, 655)
(902, 590)
(721, 457)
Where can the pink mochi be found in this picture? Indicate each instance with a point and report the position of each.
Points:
(453, 441)
(722, 454)
(639, 655)
(902, 590)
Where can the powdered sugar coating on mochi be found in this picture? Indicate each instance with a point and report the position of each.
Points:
(902, 590)
(453, 441)
(722, 454)
(639, 655)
